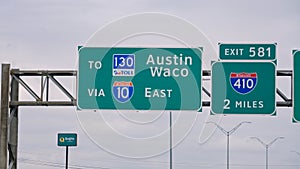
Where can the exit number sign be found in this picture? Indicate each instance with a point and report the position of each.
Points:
(248, 51)
(243, 82)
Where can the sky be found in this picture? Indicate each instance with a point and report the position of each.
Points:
(44, 35)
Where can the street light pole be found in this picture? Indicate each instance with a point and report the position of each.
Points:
(228, 133)
(267, 146)
(227, 149)
(171, 146)
(267, 152)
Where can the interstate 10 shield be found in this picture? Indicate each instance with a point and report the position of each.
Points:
(122, 91)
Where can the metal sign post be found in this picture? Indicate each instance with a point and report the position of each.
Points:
(66, 140)
(171, 143)
(4, 115)
(67, 156)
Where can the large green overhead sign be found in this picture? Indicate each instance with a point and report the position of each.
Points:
(296, 85)
(243, 82)
(139, 78)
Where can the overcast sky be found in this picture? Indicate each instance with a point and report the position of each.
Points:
(40, 35)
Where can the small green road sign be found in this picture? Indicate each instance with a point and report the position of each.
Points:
(296, 85)
(67, 139)
(139, 78)
(247, 52)
(243, 88)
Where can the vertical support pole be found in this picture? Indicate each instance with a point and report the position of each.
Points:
(13, 125)
(171, 160)
(4, 115)
(228, 150)
(42, 86)
(267, 150)
(67, 156)
(47, 88)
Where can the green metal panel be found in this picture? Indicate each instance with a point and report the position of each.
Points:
(296, 86)
(226, 97)
(247, 52)
(139, 78)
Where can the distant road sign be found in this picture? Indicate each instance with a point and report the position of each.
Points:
(247, 51)
(67, 139)
(139, 78)
(296, 85)
(243, 88)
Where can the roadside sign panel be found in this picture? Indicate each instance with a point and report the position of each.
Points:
(247, 52)
(296, 86)
(243, 88)
(139, 78)
(67, 139)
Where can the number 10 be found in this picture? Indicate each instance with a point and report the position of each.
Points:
(123, 92)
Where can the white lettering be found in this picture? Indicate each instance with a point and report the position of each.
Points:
(234, 52)
(147, 92)
(255, 104)
(96, 92)
(170, 60)
(161, 93)
(95, 64)
(150, 59)
(226, 51)
(167, 72)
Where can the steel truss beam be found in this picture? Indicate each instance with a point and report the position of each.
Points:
(46, 76)
(42, 99)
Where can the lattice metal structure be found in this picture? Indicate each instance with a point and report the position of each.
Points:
(42, 98)
(13, 79)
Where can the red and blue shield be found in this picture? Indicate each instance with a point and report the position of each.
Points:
(243, 83)
(122, 91)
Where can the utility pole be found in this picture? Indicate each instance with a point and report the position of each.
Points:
(4, 115)
(228, 133)
(267, 146)
(13, 124)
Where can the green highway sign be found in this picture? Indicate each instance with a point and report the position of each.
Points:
(247, 52)
(243, 88)
(139, 78)
(67, 139)
(296, 85)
